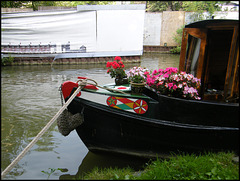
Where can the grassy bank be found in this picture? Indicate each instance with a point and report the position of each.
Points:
(207, 166)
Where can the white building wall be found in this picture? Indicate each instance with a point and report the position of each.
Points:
(152, 28)
(120, 30)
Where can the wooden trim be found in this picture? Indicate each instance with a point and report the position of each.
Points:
(183, 50)
(201, 58)
(198, 33)
(230, 64)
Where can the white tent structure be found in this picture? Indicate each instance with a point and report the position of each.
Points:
(89, 31)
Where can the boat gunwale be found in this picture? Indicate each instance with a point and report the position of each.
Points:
(116, 94)
(145, 95)
(110, 110)
(196, 101)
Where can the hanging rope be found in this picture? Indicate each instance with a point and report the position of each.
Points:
(21, 155)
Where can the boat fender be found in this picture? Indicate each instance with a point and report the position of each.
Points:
(67, 88)
(67, 122)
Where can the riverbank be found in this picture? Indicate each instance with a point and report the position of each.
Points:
(42, 59)
(11, 60)
(208, 166)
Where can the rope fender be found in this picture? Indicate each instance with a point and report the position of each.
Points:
(67, 122)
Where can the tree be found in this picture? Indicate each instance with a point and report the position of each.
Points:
(36, 4)
(198, 7)
(159, 6)
(195, 6)
(12, 4)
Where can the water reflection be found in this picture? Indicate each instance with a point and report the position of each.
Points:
(158, 60)
(30, 98)
(103, 160)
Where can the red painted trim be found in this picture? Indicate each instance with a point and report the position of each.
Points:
(67, 88)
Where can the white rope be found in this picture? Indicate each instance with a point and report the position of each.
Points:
(109, 89)
(19, 157)
(30, 145)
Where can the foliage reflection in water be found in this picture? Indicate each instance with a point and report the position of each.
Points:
(29, 100)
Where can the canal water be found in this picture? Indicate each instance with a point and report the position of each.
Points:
(29, 100)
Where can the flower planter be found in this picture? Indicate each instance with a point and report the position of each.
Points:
(137, 88)
(121, 81)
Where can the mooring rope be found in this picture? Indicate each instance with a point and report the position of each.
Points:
(96, 84)
(82, 83)
(21, 155)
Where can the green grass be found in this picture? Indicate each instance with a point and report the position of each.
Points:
(208, 166)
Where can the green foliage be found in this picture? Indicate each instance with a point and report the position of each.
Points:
(192, 167)
(159, 6)
(7, 60)
(178, 39)
(201, 6)
(198, 7)
(208, 166)
(12, 4)
(176, 50)
(36, 4)
(52, 170)
(109, 174)
(75, 3)
(194, 6)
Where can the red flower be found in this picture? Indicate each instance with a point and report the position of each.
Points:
(121, 64)
(117, 58)
(109, 64)
(115, 65)
(115, 68)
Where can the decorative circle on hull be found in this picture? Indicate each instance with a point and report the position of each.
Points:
(140, 106)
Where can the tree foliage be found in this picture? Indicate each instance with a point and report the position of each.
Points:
(178, 39)
(12, 4)
(195, 6)
(36, 4)
(200, 6)
(159, 6)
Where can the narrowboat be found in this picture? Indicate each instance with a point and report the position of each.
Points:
(150, 124)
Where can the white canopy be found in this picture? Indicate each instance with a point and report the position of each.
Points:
(100, 28)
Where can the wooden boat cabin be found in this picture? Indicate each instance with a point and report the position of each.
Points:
(210, 51)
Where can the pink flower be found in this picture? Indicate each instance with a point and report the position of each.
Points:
(170, 85)
(171, 82)
(174, 87)
(160, 70)
(154, 72)
(146, 73)
(166, 75)
(180, 86)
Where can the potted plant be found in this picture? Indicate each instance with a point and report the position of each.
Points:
(173, 83)
(137, 77)
(116, 70)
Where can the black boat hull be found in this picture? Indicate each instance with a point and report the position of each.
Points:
(112, 130)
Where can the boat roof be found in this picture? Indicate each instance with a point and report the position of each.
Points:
(205, 23)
